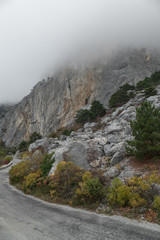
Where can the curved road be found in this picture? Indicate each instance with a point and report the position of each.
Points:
(26, 218)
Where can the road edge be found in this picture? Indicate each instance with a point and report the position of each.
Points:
(6, 166)
(89, 216)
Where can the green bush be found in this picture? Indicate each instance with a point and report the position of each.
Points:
(34, 136)
(53, 135)
(90, 189)
(148, 82)
(61, 131)
(46, 164)
(151, 91)
(121, 96)
(156, 78)
(85, 115)
(67, 132)
(146, 132)
(23, 146)
(97, 110)
(127, 87)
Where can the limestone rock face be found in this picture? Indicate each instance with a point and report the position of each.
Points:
(53, 103)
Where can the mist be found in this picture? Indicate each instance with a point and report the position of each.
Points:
(38, 36)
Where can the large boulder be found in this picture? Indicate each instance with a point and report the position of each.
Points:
(43, 144)
(79, 152)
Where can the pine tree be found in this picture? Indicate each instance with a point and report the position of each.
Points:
(146, 132)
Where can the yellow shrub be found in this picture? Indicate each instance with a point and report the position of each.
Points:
(135, 200)
(25, 155)
(90, 189)
(154, 178)
(156, 203)
(64, 181)
(61, 166)
(19, 171)
(112, 196)
(128, 194)
(123, 195)
(31, 179)
(138, 184)
(86, 176)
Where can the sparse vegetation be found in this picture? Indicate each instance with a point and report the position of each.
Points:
(85, 115)
(23, 146)
(148, 82)
(20, 171)
(46, 164)
(125, 93)
(61, 131)
(73, 185)
(121, 96)
(34, 136)
(151, 91)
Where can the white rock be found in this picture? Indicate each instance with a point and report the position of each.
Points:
(114, 127)
(44, 143)
(117, 112)
(152, 99)
(128, 130)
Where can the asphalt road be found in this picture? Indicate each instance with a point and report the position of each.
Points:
(26, 218)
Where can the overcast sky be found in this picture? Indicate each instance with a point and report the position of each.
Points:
(37, 35)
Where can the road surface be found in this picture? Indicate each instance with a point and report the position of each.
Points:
(26, 218)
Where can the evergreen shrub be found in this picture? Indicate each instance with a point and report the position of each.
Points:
(146, 132)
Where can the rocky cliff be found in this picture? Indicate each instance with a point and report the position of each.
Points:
(53, 103)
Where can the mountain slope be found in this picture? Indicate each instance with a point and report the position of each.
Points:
(53, 103)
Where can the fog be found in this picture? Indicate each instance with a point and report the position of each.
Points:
(39, 35)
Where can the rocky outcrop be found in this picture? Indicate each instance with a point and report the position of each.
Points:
(52, 104)
(100, 146)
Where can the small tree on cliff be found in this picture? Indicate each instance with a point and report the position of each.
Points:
(146, 132)
(85, 115)
(34, 136)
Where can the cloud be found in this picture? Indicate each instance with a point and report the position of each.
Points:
(38, 35)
